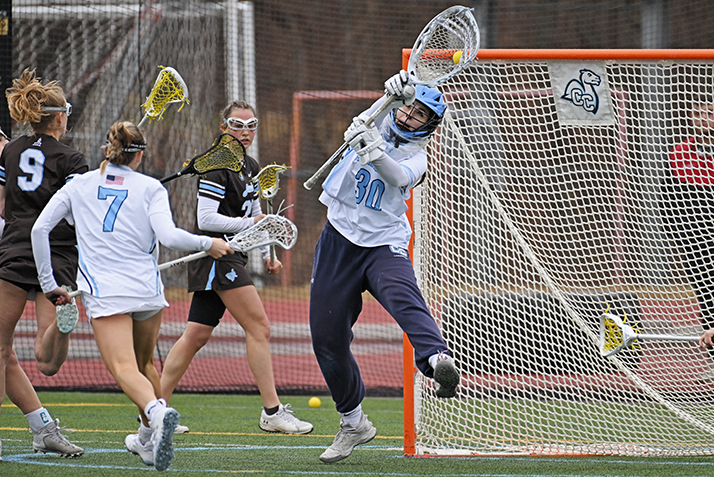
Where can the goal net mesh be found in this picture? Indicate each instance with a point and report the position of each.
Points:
(530, 226)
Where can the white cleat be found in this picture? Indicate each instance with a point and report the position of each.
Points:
(163, 427)
(284, 421)
(50, 439)
(145, 451)
(348, 438)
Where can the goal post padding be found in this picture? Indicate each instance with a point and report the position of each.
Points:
(549, 200)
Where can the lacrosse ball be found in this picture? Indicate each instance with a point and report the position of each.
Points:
(314, 402)
(457, 56)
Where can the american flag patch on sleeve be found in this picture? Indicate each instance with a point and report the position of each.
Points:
(117, 180)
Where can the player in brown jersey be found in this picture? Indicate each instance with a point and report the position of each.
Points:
(229, 203)
(32, 168)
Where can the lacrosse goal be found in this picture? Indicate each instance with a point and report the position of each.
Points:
(550, 199)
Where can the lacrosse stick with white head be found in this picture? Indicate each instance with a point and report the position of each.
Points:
(268, 183)
(270, 230)
(445, 47)
(616, 335)
(168, 88)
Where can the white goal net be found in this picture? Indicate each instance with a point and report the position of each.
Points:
(561, 187)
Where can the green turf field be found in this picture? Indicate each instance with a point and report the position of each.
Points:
(225, 438)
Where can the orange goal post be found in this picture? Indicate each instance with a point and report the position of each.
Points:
(552, 197)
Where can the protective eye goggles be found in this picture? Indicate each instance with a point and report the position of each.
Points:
(60, 109)
(237, 124)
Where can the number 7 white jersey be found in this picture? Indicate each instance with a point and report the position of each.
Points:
(112, 212)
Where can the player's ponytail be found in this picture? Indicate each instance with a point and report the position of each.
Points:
(28, 99)
(124, 141)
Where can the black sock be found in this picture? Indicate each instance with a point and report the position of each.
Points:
(272, 410)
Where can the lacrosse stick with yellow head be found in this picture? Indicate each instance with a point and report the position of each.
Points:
(616, 335)
(168, 88)
(226, 153)
(268, 183)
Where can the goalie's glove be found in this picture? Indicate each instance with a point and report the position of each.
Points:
(402, 93)
(357, 127)
(367, 143)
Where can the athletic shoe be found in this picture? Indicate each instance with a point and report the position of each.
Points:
(163, 426)
(349, 437)
(67, 315)
(49, 439)
(181, 429)
(145, 451)
(447, 376)
(284, 421)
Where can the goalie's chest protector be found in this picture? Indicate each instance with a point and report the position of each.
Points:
(363, 207)
(234, 191)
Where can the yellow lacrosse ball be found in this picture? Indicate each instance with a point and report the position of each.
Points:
(457, 56)
(314, 402)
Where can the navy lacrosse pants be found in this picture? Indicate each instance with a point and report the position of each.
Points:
(341, 272)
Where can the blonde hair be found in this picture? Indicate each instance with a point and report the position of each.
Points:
(124, 142)
(28, 98)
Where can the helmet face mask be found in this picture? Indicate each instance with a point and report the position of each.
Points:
(417, 122)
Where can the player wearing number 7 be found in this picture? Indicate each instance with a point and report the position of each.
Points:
(364, 247)
(120, 217)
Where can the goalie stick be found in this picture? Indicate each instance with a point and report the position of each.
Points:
(227, 152)
(445, 47)
(270, 230)
(168, 88)
(616, 335)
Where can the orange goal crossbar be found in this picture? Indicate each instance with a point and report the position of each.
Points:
(593, 54)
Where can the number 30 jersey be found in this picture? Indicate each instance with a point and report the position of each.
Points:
(363, 207)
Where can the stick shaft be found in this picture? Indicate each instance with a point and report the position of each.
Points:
(171, 177)
(310, 183)
(143, 121)
(272, 247)
(648, 337)
(164, 266)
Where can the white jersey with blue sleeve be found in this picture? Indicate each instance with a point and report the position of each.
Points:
(363, 206)
(120, 216)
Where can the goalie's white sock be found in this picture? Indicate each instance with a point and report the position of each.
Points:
(38, 419)
(434, 358)
(144, 433)
(153, 407)
(353, 417)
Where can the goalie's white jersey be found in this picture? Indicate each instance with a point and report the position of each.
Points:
(119, 216)
(363, 207)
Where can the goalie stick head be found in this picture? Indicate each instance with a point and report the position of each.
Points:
(431, 61)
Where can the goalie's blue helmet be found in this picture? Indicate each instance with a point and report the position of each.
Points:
(434, 101)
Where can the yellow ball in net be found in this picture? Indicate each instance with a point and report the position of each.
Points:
(314, 402)
(457, 56)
